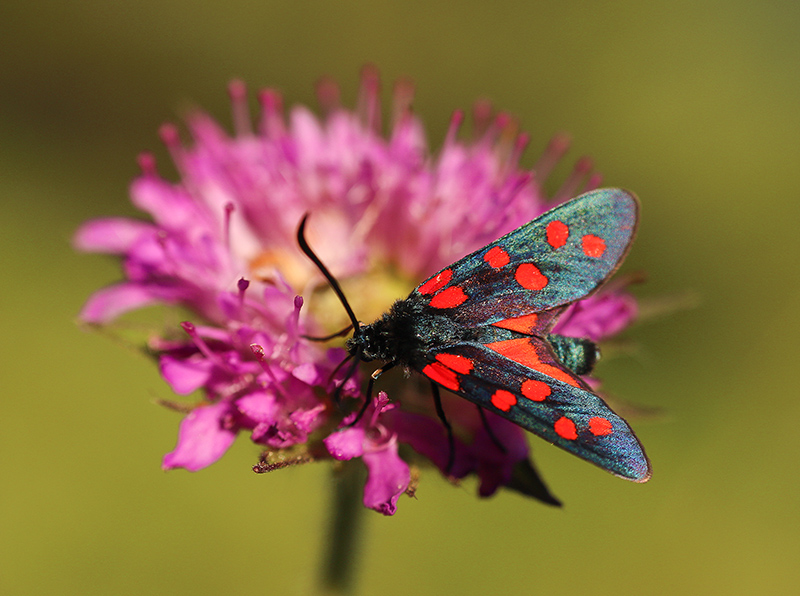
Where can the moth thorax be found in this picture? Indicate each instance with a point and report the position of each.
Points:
(390, 338)
(371, 343)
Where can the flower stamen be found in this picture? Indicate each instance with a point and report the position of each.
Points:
(553, 153)
(328, 95)
(226, 224)
(272, 124)
(402, 99)
(576, 178)
(237, 91)
(261, 358)
(147, 164)
(198, 341)
(369, 105)
(456, 120)
(172, 141)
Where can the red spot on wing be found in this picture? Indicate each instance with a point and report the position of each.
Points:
(438, 372)
(503, 400)
(535, 390)
(449, 298)
(557, 233)
(593, 246)
(529, 277)
(497, 257)
(522, 351)
(460, 364)
(565, 428)
(600, 427)
(436, 283)
(523, 324)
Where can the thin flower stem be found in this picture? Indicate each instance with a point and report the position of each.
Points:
(343, 545)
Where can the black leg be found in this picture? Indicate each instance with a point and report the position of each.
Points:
(337, 393)
(489, 430)
(437, 402)
(372, 378)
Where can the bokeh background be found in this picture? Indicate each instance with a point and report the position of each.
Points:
(694, 105)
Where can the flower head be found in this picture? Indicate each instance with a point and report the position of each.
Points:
(386, 213)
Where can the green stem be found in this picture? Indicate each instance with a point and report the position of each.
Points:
(338, 572)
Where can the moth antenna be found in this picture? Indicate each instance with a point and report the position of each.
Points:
(339, 333)
(301, 240)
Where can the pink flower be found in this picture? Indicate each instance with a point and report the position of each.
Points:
(370, 440)
(385, 214)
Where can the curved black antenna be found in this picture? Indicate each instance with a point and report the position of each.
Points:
(339, 333)
(301, 240)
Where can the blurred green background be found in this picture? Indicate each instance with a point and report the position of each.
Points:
(694, 105)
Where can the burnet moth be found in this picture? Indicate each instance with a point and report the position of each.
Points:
(481, 328)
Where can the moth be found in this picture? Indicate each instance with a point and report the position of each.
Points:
(481, 328)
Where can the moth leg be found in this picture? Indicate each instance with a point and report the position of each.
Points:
(372, 378)
(337, 393)
(489, 430)
(437, 402)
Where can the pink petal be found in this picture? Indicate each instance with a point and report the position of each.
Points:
(259, 406)
(309, 373)
(598, 317)
(428, 437)
(307, 421)
(346, 444)
(170, 206)
(202, 439)
(388, 478)
(185, 375)
(495, 467)
(108, 303)
(113, 235)
(308, 134)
